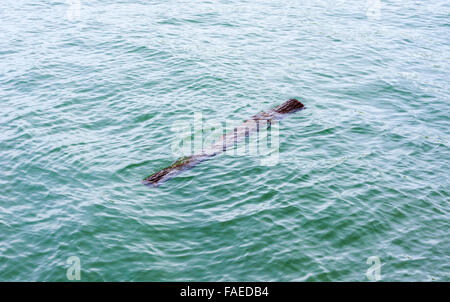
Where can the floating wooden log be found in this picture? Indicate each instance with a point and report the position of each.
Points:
(228, 140)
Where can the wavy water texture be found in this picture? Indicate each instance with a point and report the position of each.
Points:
(89, 98)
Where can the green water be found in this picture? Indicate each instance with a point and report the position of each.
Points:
(88, 98)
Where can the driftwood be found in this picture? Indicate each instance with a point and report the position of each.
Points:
(239, 133)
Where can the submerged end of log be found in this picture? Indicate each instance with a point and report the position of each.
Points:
(181, 164)
(156, 178)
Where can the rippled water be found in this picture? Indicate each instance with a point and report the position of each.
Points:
(89, 95)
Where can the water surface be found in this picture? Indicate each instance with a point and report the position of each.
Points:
(88, 98)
